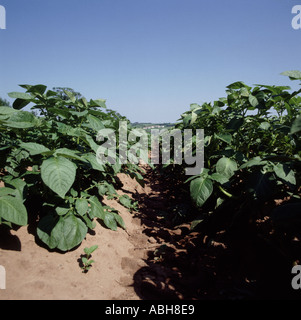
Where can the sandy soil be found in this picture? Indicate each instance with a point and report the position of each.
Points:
(33, 272)
(157, 257)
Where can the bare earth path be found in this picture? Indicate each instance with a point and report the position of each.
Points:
(33, 272)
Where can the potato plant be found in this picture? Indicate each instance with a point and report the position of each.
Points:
(49, 167)
(252, 156)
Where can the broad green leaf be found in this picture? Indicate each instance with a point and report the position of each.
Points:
(126, 201)
(70, 95)
(235, 123)
(97, 210)
(119, 220)
(253, 101)
(219, 178)
(69, 232)
(34, 148)
(20, 95)
(98, 103)
(200, 190)
(79, 113)
(226, 137)
(93, 145)
(296, 126)
(285, 173)
(63, 113)
(81, 206)
(264, 125)
(37, 89)
(58, 174)
(68, 153)
(19, 185)
(93, 162)
(293, 74)
(5, 191)
(95, 123)
(20, 104)
(61, 211)
(13, 210)
(21, 120)
(44, 229)
(226, 167)
(256, 161)
(236, 85)
(7, 110)
(110, 221)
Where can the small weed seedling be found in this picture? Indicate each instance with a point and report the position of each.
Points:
(86, 262)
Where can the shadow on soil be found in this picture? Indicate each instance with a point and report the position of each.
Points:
(194, 265)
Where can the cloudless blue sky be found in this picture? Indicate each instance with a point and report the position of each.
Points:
(150, 59)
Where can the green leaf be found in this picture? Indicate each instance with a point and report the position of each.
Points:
(45, 226)
(119, 220)
(81, 206)
(61, 211)
(58, 174)
(253, 101)
(68, 153)
(4, 191)
(110, 221)
(256, 161)
(89, 251)
(235, 123)
(19, 185)
(22, 120)
(296, 126)
(13, 210)
(126, 201)
(69, 232)
(195, 223)
(218, 178)
(33, 148)
(20, 104)
(264, 125)
(84, 261)
(20, 95)
(7, 110)
(200, 190)
(37, 89)
(93, 162)
(293, 74)
(226, 137)
(236, 85)
(95, 123)
(97, 210)
(98, 103)
(226, 167)
(285, 173)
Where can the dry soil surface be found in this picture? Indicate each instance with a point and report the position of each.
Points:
(33, 272)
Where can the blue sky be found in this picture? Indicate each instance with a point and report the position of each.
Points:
(150, 59)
